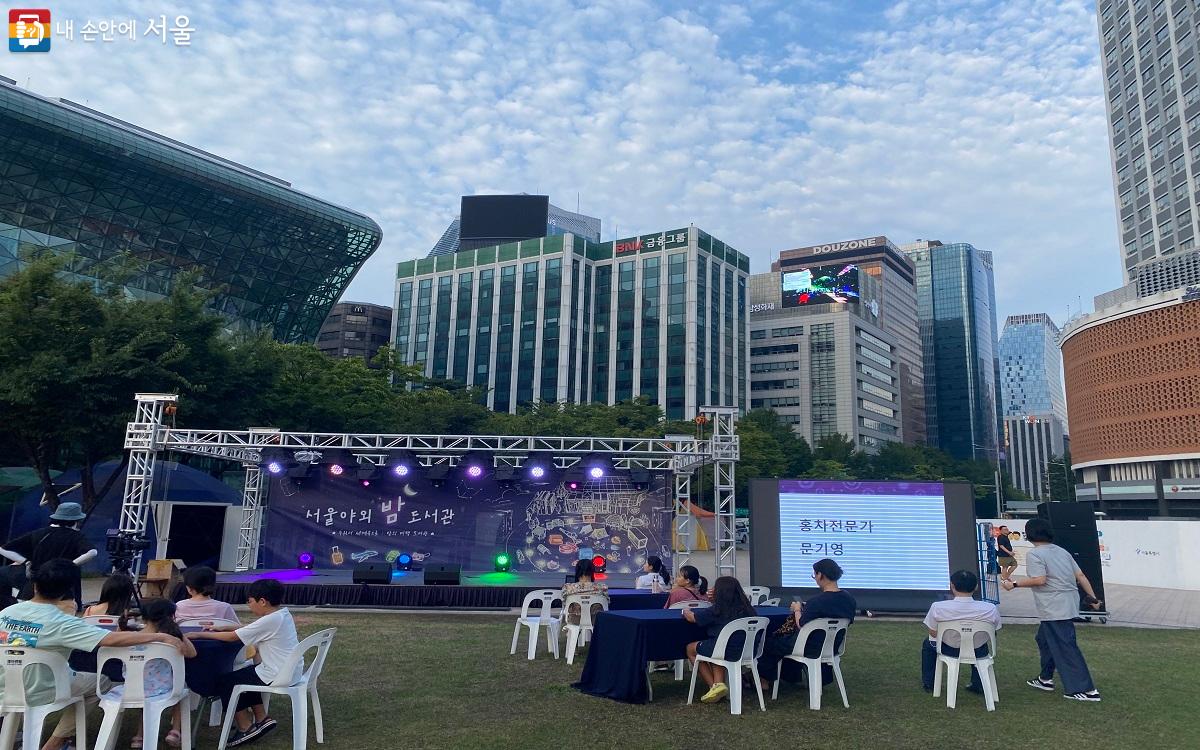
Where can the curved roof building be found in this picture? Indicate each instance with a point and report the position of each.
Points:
(111, 195)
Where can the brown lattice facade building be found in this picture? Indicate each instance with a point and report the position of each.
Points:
(1133, 400)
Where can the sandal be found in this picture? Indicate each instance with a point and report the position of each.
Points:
(173, 738)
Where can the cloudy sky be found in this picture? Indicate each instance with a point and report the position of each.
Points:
(770, 124)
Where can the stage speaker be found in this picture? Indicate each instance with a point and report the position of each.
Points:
(1074, 527)
(443, 575)
(373, 573)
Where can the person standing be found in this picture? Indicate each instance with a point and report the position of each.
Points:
(61, 540)
(1005, 556)
(1055, 580)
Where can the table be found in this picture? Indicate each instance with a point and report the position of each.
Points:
(624, 599)
(623, 642)
(213, 659)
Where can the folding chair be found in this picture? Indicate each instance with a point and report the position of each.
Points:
(755, 629)
(967, 630)
(831, 654)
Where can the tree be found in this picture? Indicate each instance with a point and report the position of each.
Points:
(1060, 484)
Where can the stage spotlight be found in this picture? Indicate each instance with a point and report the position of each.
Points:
(365, 482)
(400, 470)
(600, 563)
(305, 560)
(275, 467)
(276, 461)
(537, 472)
(475, 471)
(336, 470)
(503, 563)
(404, 561)
(596, 472)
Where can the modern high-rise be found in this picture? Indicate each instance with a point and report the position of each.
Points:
(1151, 87)
(956, 311)
(106, 195)
(355, 329)
(820, 358)
(557, 221)
(892, 305)
(1031, 368)
(1035, 446)
(561, 319)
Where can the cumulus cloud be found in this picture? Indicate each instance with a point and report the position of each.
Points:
(769, 124)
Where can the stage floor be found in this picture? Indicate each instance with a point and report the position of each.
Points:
(336, 588)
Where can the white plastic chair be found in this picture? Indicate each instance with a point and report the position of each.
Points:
(692, 604)
(206, 622)
(15, 708)
(200, 703)
(578, 634)
(135, 659)
(299, 693)
(543, 619)
(755, 629)
(758, 594)
(967, 630)
(831, 654)
(103, 621)
(772, 602)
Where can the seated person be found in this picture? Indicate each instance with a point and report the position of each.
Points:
(962, 607)
(158, 616)
(830, 603)
(729, 603)
(201, 582)
(273, 634)
(40, 623)
(114, 597)
(690, 586)
(651, 570)
(585, 583)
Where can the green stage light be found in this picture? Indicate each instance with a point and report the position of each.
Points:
(503, 562)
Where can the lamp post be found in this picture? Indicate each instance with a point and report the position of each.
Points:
(998, 486)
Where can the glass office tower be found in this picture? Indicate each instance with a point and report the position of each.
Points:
(956, 312)
(1031, 367)
(106, 194)
(659, 316)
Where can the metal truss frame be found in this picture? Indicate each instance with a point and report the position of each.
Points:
(683, 455)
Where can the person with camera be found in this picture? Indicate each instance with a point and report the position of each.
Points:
(60, 540)
(1055, 580)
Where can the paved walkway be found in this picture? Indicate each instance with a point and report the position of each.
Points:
(1132, 606)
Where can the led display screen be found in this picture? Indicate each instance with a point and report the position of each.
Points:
(820, 285)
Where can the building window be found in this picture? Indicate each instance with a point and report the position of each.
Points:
(758, 335)
(650, 320)
(600, 339)
(876, 391)
(626, 320)
(875, 357)
(1157, 149)
(822, 373)
(792, 331)
(874, 340)
(1126, 198)
(1143, 187)
(505, 337)
(527, 346)
(1175, 138)
(1180, 164)
(462, 329)
(483, 330)
(1160, 177)
(551, 329)
(871, 406)
(1163, 203)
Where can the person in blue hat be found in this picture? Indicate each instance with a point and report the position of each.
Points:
(61, 540)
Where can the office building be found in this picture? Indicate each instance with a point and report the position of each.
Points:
(103, 193)
(496, 219)
(1148, 53)
(355, 329)
(560, 318)
(956, 312)
(1133, 378)
(893, 303)
(1031, 368)
(1034, 447)
(820, 358)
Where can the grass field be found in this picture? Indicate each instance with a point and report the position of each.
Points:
(447, 681)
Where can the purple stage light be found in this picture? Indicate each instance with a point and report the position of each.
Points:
(572, 485)
(305, 560)
(595, 472)
(275, 467)
(336, 470)
(474, 471)
(400, 470)
(366, 483)
(537, 472)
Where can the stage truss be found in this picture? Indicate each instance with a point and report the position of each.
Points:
(683, 455)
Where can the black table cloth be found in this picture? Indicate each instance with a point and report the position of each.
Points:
(623, 643)
(624, 599)
(213, 659)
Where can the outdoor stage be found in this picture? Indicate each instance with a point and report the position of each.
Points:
(334, 588)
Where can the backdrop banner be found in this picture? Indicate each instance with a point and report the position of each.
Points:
(544, 525)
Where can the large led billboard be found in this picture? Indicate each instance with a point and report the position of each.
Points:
(820, 285)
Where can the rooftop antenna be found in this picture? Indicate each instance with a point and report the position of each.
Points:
(577, 209)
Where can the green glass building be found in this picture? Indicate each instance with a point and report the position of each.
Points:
(109, 195)
(661, 316)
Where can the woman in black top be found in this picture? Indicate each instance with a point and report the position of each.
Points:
(729, 604)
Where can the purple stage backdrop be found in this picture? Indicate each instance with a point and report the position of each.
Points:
(544, 525)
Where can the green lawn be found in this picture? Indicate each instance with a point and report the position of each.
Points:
(447, 681)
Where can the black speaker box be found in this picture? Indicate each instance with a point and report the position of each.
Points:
(443, 575)
(1074, 527)
(380, 572)
(1069, 516)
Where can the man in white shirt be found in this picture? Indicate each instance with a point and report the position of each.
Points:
(962, 607)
